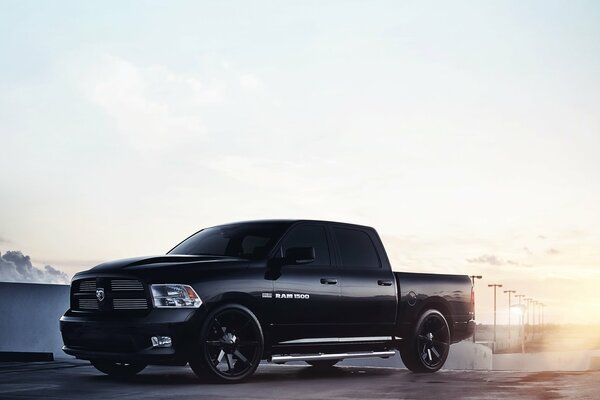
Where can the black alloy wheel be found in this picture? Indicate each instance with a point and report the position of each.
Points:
(427, 349)
(231, 344)
(118, 369)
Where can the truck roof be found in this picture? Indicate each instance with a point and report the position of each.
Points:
(293, 221)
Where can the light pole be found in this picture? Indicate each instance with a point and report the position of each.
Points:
(495, 285)
(473, 277)
(539, 316)
(528, 300)
(519, 296)
(533, 307)
(522, 325)
(526, 329)
(542, 305)
(509, 310)
(535, 310)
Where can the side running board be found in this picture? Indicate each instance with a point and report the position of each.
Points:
(332, 356)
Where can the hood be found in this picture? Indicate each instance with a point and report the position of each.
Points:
(151, 262)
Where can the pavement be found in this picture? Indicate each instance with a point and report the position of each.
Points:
(78, 380)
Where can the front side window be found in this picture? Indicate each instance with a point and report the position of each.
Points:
(248, 240)
(310, 236)
(356, 248)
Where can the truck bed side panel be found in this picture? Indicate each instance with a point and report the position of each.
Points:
(451, 294)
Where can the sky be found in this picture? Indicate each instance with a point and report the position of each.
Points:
(466, 133)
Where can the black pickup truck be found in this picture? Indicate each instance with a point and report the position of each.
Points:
(230, 296)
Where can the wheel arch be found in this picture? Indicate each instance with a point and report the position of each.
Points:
(431, 303)
(440, 304)
(239, 298)
(245, 300)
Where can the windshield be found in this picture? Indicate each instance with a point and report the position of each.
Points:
(249, 240)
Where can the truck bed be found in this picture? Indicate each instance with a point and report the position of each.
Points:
(450, 293)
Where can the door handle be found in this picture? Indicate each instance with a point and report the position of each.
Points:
(328, 281)
(384, 282)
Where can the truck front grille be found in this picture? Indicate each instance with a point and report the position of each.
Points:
(105, 295)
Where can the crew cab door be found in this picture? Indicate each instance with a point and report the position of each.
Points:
(306, 296)
(368, 285)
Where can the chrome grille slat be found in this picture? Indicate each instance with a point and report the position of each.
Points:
(126, 284)
(87, 285)
(130, 304)
(88, 304)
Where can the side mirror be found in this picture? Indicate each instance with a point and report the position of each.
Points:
(300, 255)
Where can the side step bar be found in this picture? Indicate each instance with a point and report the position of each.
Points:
(331, 356)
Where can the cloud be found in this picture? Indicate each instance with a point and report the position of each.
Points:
(151, 105)
(17, 267)
(552, 251)
(2, 240)
(491, 260)
(249, 82)
(486, 259)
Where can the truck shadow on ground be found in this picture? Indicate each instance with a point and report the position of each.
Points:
(184, 376)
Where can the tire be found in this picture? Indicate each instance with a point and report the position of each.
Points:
(426, 350)
(118, 369)
(231, 345)
(323, 363)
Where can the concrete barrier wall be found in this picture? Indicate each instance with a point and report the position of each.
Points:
(29, 315)
(548, 361)
(469, 355)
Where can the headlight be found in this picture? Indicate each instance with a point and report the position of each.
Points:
(175, 296)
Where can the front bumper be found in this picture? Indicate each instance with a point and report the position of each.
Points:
(88, 336)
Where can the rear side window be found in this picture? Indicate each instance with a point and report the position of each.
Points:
(356, 248)
(310, 236)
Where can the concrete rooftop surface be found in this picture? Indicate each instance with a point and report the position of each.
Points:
(78, 380)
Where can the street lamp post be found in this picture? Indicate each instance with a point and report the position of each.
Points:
(533, 324)
(528, 300)
(509, 310)
(495, 285)
(526, 326)
(473, 277)
(522, 323)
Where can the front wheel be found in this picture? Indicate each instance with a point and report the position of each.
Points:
(426, 350)
(118, 369)
(231, 344)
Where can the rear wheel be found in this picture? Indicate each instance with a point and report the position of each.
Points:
(118, 369)
(323, 363)
(426, 350)
(231, 345)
